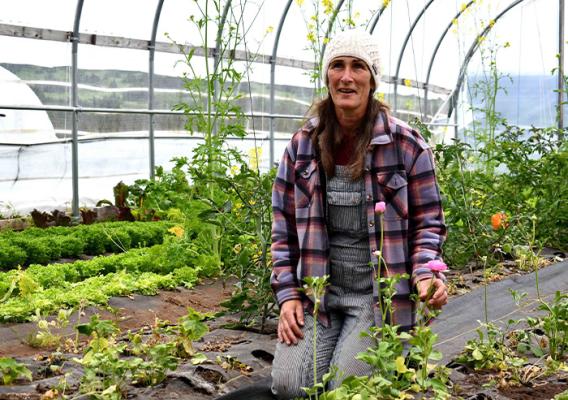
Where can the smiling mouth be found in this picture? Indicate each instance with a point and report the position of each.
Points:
(346, 91)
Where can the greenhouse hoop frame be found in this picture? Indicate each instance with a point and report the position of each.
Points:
(75, 37)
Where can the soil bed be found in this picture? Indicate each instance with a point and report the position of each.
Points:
(132, 312)
(491, 385)
(250, 378)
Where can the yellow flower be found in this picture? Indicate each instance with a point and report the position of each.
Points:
(386, 3)
(177, 230)
(254, 156)
(463, 7)
(480, 39)
(328, 6)
(507, 44)
(380, 96)
(455, 21)
(269, 29)
(492, 23)
(300, 2)
(234, 170)
(400, 366)
(311, 37)
(407, 83)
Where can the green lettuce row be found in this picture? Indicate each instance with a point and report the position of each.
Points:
(93, 291)
(160, 259)
(41, 246)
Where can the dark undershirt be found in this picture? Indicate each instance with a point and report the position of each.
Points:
(344, 152)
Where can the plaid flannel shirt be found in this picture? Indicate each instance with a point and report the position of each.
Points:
(399, 170)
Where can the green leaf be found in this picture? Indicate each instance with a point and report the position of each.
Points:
(436, 355)
(476, 354)
(537, 350)
(199, 358)
(12, 370)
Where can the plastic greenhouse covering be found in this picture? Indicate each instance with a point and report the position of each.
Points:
(88, 88)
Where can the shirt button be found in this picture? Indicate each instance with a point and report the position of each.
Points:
(371, 224)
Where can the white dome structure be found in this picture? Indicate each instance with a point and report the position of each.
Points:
(22, 126)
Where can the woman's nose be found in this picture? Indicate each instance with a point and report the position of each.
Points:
(347, 75)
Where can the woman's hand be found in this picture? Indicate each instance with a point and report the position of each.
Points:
(438, 289)
(291, 322)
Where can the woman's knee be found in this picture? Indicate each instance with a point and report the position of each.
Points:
(287, 384)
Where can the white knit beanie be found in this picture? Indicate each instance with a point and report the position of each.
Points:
(353, 43)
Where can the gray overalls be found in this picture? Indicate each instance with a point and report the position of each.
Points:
(349, 300)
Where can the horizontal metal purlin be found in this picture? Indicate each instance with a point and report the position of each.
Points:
(148, 112)
(104, 137)
(139, 44)
(137, 111)
(165, 47)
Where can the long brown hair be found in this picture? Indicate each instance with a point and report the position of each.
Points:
(327, 134)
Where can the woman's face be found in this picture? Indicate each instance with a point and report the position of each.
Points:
(349, 82)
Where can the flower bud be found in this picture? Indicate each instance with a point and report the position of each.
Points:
(380, 207)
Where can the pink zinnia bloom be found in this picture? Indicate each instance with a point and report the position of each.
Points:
(380, 207)
(436, 266)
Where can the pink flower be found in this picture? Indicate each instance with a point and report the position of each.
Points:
(380, 207)
(436, 266)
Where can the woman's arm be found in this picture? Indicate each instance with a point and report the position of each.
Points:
(427, 230)
(285, 250)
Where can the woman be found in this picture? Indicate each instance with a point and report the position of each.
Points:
(336, 168)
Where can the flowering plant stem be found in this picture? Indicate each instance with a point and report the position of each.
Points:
(485, 305)
(423, 313)
(535, 258)
(316, 286)
(380, 259)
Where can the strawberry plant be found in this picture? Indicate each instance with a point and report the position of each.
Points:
(12, 370)
(489, 351)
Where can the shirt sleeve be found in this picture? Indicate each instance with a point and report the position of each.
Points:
(427, 229)
(285, 250)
